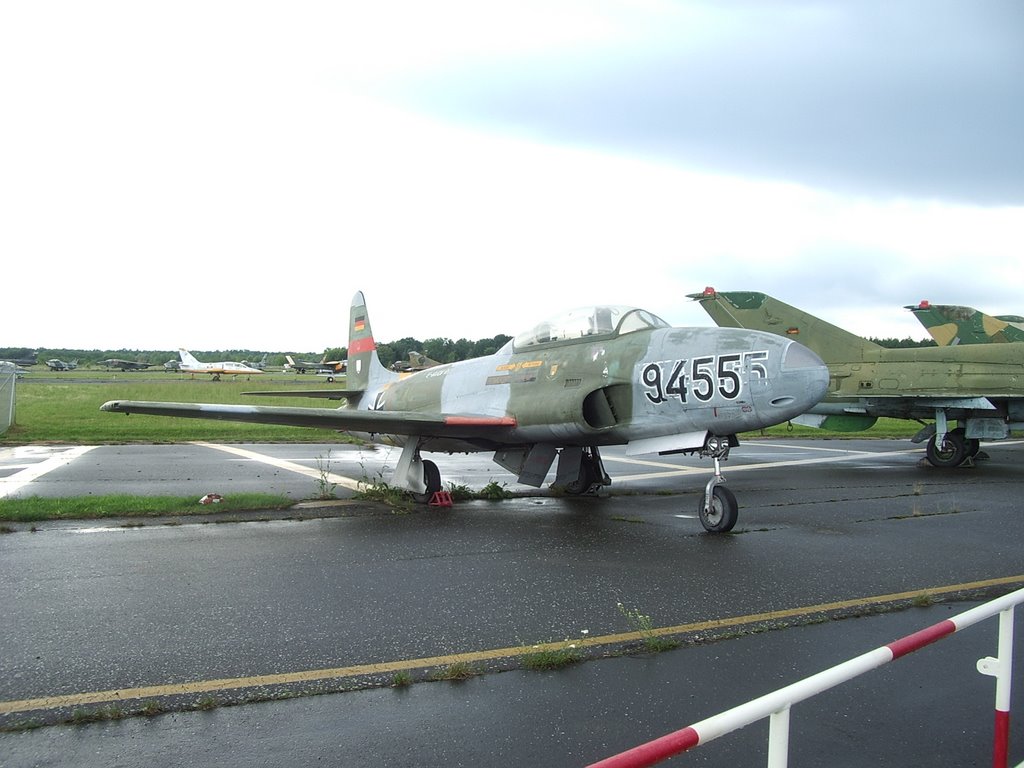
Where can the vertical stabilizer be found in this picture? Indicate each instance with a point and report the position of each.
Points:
(758, 311)
(951, 324)
(364, 370)
(187, 359)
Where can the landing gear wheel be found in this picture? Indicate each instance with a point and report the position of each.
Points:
(951, 453)
(432, 477)
(584, 483)
(723, 513)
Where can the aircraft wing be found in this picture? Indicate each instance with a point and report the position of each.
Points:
(329, 394)
(344, 420)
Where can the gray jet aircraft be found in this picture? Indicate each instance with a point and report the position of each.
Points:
(591, 377)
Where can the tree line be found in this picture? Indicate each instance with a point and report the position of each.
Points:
(440, 349)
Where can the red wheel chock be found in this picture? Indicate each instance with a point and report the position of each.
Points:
(441, 499)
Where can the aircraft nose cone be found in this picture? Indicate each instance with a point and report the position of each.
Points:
(804, 379)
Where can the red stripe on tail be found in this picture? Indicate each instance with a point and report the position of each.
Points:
(359, 346)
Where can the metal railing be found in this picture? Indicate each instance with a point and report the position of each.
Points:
(8, 377)
(776, 705)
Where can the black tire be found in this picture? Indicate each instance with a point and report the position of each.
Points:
(432, 478)
(952, 452)
(724, 510)
(582, 484)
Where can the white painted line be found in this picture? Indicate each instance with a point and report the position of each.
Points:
(727, 469)
(648, 463)
(17, 481)
(288, 466)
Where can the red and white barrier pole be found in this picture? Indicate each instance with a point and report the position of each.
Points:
(776, 704)
(1001, 668)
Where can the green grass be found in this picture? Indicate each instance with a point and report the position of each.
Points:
(51, 410)
(34, 508)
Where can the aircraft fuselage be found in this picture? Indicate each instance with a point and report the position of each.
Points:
(659, 383)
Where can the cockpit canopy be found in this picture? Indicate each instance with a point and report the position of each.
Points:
(603, 321)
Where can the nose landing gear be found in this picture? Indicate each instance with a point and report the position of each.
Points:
(718, 509)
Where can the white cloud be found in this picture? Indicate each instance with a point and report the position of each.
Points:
(225, 175)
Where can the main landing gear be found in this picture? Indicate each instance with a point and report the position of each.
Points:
(580, 471)
(953, 450)
(432, 481)
(419, 476)
(717, 509)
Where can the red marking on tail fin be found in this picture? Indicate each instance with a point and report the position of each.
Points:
(359, 346)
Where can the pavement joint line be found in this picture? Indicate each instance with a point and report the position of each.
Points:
(288, 466)
(285, 678)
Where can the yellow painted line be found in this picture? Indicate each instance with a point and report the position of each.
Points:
(390, 667)
(288, 466)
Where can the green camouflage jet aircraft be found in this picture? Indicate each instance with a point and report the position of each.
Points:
(592, 377)
(950, 324)
(598, 376)
(980, 387)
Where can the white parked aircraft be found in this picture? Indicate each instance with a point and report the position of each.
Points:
(189, 364)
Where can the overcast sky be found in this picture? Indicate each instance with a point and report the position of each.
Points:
(222, 175)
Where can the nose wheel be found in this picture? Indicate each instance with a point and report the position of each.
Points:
(718, 509)
(718, 512)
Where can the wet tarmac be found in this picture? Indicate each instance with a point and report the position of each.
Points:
(197, 614)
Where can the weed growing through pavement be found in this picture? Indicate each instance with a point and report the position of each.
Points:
(459, 670)
(376, 488)
(644, 626)
(494, 492)
(460, 492)
(555, 656)
(325, 488)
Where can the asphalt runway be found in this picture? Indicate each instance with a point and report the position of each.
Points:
(851, 543)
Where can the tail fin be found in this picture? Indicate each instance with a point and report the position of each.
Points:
(187, 358)
(950, 324)
(364, 367)
(757, 311)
